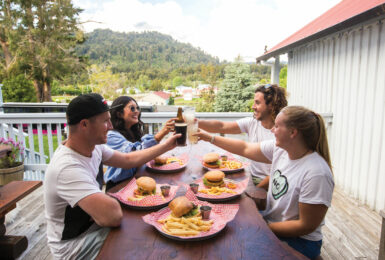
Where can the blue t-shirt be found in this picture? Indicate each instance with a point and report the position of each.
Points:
(117, 141)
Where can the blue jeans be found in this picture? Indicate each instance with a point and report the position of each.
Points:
(309, 248)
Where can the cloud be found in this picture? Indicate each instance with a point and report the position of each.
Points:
(232, 28)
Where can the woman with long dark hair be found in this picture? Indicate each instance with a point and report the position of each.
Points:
(128, 136)
(300, 184)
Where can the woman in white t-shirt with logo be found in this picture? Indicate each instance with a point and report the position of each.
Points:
(300, 185)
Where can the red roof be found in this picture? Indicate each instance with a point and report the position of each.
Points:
(343, 11)
(162, 94)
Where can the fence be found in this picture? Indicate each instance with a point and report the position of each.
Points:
(38, 131)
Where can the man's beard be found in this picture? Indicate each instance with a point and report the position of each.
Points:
(262, 115)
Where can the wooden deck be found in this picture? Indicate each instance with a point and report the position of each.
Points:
(352, 230)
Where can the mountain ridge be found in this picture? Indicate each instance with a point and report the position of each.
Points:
(131, 51)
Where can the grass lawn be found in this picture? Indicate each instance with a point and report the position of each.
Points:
(45, 144)
(182, 102)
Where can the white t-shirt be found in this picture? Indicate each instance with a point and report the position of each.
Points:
(256, 133)
(69, 178)
(307, 180)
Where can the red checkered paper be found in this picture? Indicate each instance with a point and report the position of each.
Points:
(169, 166)
(220, 213)
(241, 187)
(148, 201)
(230, 157)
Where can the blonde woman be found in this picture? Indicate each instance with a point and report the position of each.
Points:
(300, 185)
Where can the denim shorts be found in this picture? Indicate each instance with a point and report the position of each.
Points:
(309, 248)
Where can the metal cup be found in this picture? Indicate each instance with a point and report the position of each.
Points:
(165, 190)
(194, 187)
(205, 211)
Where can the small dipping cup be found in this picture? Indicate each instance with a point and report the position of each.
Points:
(224, 158)
(165, 190)
(194, 187)
(205, 210)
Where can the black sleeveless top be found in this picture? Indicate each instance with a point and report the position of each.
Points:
(76, 220)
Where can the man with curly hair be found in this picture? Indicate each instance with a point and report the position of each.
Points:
(268, 101)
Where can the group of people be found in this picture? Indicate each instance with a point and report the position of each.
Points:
(287, 146)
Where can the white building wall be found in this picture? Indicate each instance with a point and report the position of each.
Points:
(344, 74)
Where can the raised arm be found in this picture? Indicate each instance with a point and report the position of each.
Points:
(216, 126)
(138, 158)
(248, 150)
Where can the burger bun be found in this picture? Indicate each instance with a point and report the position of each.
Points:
(146, 183)
(160, 160)
(180, 206)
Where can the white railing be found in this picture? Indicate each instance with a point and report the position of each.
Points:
(42, 128)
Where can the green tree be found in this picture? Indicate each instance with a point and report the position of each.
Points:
(206, 101)
(18, 89)
(103, 81)
(283, 77)
(177, 81)
(235, 92)
(38, 37)
(156, 85)
(171, 101)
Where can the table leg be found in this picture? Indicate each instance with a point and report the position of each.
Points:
(11, 246)
(381, 253)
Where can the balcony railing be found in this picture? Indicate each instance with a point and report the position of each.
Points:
(38, 130)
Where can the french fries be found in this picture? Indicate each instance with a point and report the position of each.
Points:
(174, 159)
(217, 191)
(233, 165)
(185, 226)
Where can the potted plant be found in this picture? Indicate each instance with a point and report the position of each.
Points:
(11, 160)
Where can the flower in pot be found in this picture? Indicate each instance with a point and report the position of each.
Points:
(14, 153)
(11, 160)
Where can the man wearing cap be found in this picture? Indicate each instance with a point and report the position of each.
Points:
(268, 101)
(78, 213)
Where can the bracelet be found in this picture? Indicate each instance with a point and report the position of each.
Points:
(212, 139)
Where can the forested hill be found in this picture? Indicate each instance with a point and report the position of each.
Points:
(140, 51)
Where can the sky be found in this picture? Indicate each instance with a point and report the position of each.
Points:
(221, 28)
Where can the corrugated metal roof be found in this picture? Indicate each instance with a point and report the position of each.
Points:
(338, 15)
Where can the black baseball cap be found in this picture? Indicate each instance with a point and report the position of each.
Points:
(86, 106)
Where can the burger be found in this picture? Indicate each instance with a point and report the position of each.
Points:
(214, 179)
(211, 160)
(160, 160)
(146, 186)
(183, 207)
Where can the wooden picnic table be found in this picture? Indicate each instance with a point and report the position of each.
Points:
(12, 246)
(246, 237)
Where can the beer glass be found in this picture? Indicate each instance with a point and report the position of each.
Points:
(181, 128)
(192, 126)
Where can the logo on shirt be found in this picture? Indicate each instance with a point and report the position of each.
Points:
(280, 185)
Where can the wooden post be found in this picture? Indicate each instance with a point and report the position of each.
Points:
(381, 253)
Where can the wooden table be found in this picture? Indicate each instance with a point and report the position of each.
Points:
(246, 237)
(12, 246)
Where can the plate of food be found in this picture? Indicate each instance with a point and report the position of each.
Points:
(144, 193)
(168, 163)
(225, 163)
(214, 187)
(182, 219)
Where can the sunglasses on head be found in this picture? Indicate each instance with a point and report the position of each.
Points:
(267, 86)
(133, 108)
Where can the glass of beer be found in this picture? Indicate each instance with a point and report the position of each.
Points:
(181, 128)
(192, 129)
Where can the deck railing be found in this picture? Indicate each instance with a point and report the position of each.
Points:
(38, 131)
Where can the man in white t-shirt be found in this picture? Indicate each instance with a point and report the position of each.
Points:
(268, 101)
(78, 213)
